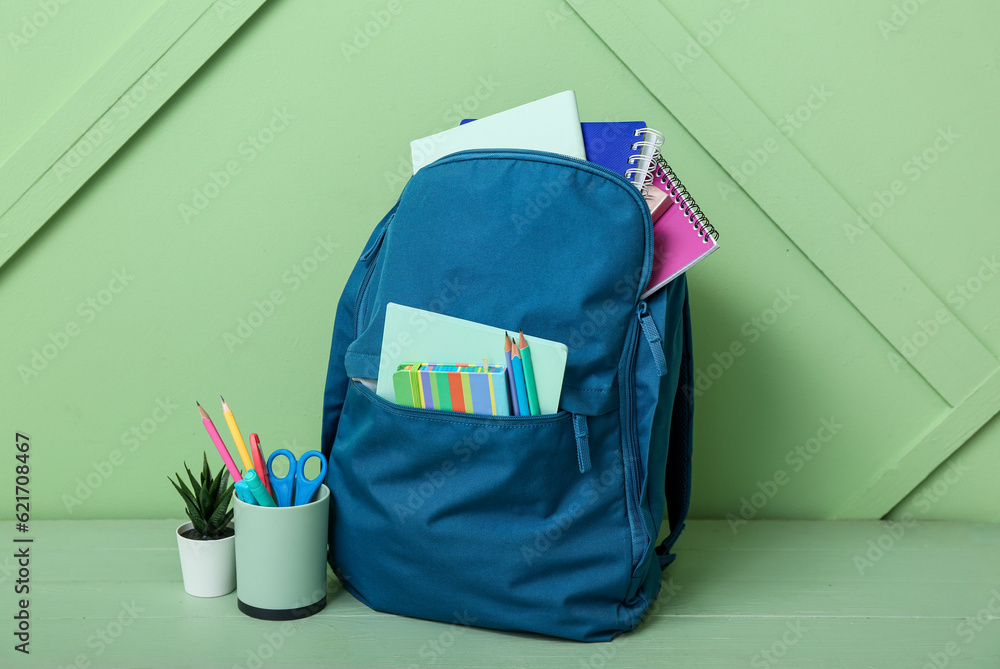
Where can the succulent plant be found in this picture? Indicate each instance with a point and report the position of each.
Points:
(207, 501)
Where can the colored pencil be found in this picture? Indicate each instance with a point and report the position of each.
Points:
(234, 430)
(522, 392)
(511, 386)
(529, 374)
(259, 461)
(219, 445)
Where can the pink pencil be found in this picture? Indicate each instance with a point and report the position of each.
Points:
(219, 444)
(259, 463)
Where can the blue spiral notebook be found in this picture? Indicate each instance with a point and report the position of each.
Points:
(609, 144)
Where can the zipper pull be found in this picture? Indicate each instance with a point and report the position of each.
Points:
(377, 244)
(582, 434)
(652, 336)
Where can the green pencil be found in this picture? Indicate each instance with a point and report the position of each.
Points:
(529, 375)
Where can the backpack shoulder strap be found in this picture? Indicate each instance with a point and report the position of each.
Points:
(344, 328)
(678, 478)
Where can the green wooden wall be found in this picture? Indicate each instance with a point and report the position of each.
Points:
(185, 186)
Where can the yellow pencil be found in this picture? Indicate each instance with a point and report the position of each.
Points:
(237, 437)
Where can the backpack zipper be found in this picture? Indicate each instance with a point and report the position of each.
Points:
(652, 337)
(640, 536)
(633, 481)
(372, 254)
(578, 163)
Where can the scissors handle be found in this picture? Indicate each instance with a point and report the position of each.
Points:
(306, 488)
(282, 485)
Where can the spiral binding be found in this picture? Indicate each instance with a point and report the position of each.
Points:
(679, 194)
(655, 143)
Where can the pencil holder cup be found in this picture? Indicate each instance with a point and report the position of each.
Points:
(281, 558)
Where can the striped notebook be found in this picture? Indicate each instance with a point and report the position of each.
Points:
(461, 388)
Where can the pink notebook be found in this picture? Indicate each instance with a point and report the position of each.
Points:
(681, 235)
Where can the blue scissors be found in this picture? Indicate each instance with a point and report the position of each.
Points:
(295, 478)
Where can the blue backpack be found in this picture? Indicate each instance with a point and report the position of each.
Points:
(533, 523)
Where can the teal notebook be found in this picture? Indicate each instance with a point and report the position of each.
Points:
(414, 335)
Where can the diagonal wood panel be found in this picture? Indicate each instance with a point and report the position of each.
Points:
(890, 484)
(716, 111)
(108, 109)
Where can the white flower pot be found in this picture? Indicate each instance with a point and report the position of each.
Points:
(208, 567)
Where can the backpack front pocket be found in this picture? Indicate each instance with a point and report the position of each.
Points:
(479, 519)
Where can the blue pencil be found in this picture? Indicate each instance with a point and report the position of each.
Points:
(522, 389)
(511, 386)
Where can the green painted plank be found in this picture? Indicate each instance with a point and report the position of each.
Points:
(645, 36)
(791, 191)
(687, 643)
(963, 487)
(108, 109)
(83, 111)
(844, 583)
(48, 55)
(765, 568)
(732, 599)
(896, 479)
(924, 536)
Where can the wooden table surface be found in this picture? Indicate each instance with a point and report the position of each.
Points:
(765, 594)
